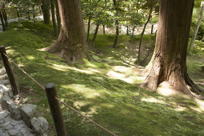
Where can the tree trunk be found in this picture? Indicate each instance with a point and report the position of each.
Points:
(127, 30)
(142, 35)
(88, 28)
(117, 32)
(17, 13)
(5, 17)
(95, 33)
(46, 11)
(71, 40)
(52, 5)
(197, 27)
(152, 29)
(33, 10)
(104, 29)
(58, 17)
(115, 44)
(167, 67)
(133, 30)
(2, 21)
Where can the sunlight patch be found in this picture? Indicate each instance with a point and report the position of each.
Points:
(30, 57)
(152, 100)
(166, 89)
(200, 103)
(83, 90)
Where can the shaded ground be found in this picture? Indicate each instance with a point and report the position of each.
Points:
(103, 88)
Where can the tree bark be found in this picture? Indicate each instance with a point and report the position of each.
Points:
(104, 29)
(88, 28)
(127, 30)
(58, 17)
(152, 29)
(52, 5)
(5, 17)
(133, 30)
(168, 63)
(2, 21)
(71, 40)
(142, 35)
(95, 33)
(46, 11)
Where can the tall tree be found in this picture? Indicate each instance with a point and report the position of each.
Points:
(168, 64)
(52, 5)
(46, 11)
(71, 40)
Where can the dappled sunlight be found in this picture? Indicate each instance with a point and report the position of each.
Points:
(84, 91)
(166, 89)
(153, 100)
(200, 104)
(67, 68)
(30, 57)
(130, 75)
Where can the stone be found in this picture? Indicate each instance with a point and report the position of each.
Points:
(13, 132)
(15, 111)
(27, 112)
(3, 77)
(4, 114)
(5, 102)
(2, 71)
(40, 125)
(5, 82)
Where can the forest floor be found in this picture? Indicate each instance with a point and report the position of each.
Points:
(104, 88)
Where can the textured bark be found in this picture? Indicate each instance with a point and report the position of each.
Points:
(71, 40)
(46, 11)
(168, 63)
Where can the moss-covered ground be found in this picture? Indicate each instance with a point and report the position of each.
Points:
(104, 88)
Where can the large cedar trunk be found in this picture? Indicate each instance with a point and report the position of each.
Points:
(168, 64)
(71, 40)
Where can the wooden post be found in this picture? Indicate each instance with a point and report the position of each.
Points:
(9, 70)
(55, 109)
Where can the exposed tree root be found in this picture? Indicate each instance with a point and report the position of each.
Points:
(171, 77)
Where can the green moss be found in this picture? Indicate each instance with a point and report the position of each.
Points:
(122, 107)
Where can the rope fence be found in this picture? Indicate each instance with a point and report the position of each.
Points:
(53, 100)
